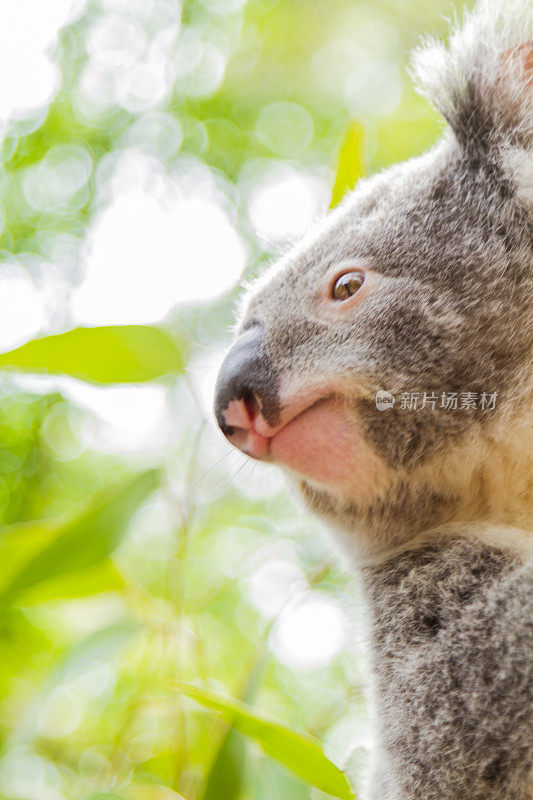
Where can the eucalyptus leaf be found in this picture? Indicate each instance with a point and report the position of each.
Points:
(351, 163)
(109, 354)
(225, 777)
(297, 751)
(86, 541)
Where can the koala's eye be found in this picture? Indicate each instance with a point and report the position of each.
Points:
(347, 285)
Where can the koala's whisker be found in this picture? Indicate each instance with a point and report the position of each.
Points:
(204, 475)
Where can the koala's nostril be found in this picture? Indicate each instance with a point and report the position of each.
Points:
(227, 430)
(246, 386)
(251, 404)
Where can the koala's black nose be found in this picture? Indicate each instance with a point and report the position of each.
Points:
(246, 378)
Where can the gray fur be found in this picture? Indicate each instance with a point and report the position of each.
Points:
(453, 671)
(451, 235)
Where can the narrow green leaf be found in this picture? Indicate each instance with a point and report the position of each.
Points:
(300, 753)
(86, 541)
(20, 541)
(226, 773)
(102, 577)
(350, 164)
(225, 778)
(110, 354)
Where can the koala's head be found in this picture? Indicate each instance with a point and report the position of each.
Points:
(419, 286)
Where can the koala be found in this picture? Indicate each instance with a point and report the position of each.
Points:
(385, 363)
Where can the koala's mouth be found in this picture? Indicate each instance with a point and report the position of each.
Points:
(311, 428)
(249, 431)
(317, 437)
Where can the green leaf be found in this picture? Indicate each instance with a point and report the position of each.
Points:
(351, 163)
(226, 773)
(85, 542)
(225, 778)
(110, 354)
(299, 752)
(20, 542)
(102, 577)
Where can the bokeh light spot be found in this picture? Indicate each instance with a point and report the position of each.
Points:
(373, 89)
(284, 202)
(311, 633)
(22, 311)
(27, 28)
(145, 257)
(284, 128)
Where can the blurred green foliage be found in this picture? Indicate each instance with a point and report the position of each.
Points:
(124, 574)
(107, 354)
(350, 166)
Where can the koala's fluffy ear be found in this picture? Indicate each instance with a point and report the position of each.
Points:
(483, 82)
